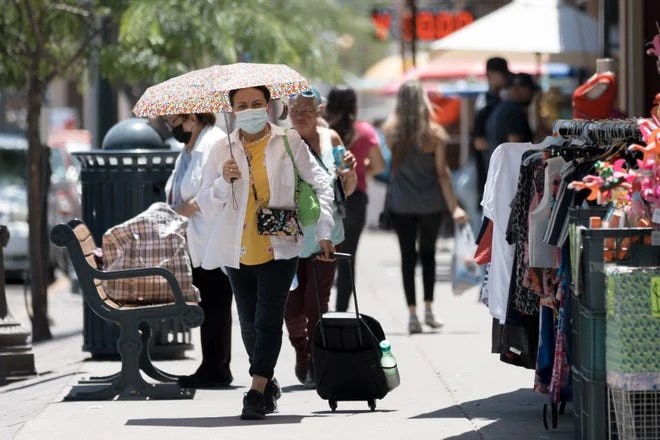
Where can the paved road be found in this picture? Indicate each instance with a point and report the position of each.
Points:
(451, 386)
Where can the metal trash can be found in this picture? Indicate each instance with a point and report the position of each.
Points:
(119, 182)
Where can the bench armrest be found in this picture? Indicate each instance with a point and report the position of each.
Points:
(142, 272)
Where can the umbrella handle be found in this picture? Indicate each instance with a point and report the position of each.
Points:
(231, 151)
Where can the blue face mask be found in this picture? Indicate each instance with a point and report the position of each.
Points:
(252, 120)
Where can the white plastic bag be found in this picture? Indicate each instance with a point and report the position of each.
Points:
(464, 182)
(465, 273)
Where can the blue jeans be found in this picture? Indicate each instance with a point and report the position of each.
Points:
(261, 292)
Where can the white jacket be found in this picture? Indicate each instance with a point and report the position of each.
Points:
(199, 227)
(215, 197)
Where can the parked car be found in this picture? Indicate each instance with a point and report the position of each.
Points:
(62, 202)
(66, 170)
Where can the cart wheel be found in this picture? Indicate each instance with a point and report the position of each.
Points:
(372, 404)
(333, 405)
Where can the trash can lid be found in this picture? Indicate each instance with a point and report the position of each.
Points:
(133, 134)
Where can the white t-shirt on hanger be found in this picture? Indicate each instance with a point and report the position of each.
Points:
(500, 189)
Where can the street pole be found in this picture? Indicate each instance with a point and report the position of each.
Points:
(604, 18)
(402, 38)
(16, 357)
(412, 4)
(405, 6)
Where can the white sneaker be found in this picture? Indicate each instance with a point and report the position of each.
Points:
(430, 320)
(414, 326)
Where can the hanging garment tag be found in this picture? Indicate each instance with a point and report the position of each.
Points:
(655, 238)
(656, 216)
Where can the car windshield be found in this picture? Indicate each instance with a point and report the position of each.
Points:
(13, 167)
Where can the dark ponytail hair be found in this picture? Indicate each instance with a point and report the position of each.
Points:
(340, 112)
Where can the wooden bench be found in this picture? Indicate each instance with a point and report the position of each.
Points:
(134, 321)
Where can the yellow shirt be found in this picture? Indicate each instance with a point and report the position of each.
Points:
(255, 248)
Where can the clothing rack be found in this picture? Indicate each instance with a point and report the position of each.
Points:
(598, 130)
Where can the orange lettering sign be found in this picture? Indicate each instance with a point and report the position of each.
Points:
(429, 24)
(382, 22)
(425, 25)
(444, 24)
(462, 19)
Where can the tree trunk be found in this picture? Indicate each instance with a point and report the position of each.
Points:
(37, 212)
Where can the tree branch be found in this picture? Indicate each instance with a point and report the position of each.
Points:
(20, 41)
(80, 14)
(34, 21)
(12, 40)
(70, 9)
(59, 68)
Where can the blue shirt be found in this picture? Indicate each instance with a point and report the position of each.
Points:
(184, 163)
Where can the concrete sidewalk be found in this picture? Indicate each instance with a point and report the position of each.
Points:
(451, 386)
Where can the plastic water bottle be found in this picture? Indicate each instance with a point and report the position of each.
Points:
(388, 362)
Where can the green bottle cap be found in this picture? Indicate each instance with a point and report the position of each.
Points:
(385, 345)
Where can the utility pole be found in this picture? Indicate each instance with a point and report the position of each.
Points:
(401, 22)
(405, 7)
(412, 5)
(604, 19)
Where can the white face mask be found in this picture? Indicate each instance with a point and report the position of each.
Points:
(252, 120)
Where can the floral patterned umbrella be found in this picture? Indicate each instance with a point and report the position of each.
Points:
(207, 90)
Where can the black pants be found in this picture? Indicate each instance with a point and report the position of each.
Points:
(261, 292)
(356, 217)
(410, 228)
(215, 291)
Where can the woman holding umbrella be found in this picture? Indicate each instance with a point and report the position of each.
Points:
(249, 182)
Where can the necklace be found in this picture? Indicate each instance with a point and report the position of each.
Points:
(256, 141)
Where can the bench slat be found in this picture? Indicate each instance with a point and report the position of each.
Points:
(87, 244)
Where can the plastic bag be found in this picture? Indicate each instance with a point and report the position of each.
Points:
(464, 182)
(465, 273)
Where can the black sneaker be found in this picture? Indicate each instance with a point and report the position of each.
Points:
(271, 394)
(302, 362)
(253, 406)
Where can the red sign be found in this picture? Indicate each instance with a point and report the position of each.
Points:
(429, 25)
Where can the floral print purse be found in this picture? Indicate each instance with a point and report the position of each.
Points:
(274, 221)
(277, 221)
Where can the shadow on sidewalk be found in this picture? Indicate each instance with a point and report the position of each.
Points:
(353, 411)
(218, 422)
(518, 414)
